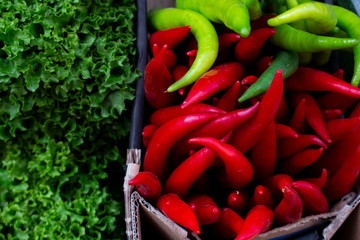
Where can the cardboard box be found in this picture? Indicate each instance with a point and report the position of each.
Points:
(144, 221)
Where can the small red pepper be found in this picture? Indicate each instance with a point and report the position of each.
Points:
(192, 56)
(277, 184)
(226, 41)
(313, 199)
(171, 37)
(237, 200)
(330, 114)
(205, 208)
(261, 196)
(290, 208)
(157, 79)
(318, 181)
(179, 211)
(263, 63)
(147, 133)
(246, 135)
(285, 131)
(310, 79)
(177, 73)
(248, 49)
(249, 80)
(297, 120)
(162, 115)
(238, 171)
(259, 219)
(165, 137)
(147, 184)
(339, 74)
(338, 128)
(229, 99)
(218, 78)
(170, 56)
(228, 225)
(290, 146)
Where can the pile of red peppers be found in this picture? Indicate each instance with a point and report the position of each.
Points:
(229, 169)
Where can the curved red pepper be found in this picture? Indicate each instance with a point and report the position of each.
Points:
(318, 181)
(147, 133)
(263, 63)
(171, 37)
(249, 80)
(238, 171)
(259, 219)
(157, 79)
(215, 128)
(170, 56)
(310, 79)
(228, 225)
(226, 41)
(229, 99)
(248, 49)
(184, 176)
(205, 208)
(277, 185)
(192, 56)
(330, 114)
(213, 81)
(179, 211)
(177, 73)
(338, 128)
(246, 135)
(313, 114)
(297, 121)
(147, 184)
(290, 208)
(162, 115)
(290, 146)
(261, 196)
(297, 162)
(237, 200)
(312, 197)
(333, 100)
(263, 154)
(339, 74)
(285, 131)
(165, 137)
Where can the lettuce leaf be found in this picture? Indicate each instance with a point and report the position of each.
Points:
(67, 74)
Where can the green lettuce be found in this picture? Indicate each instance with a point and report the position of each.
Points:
(67, 74)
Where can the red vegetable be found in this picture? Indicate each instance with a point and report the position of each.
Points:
(237, 200)
(263, 63)
(205, 208)
(318, 181)
(192, 56)
(356, 111)
(170, 37)
(261, 196)
(290, 208)
(297, 121)
(170, 56)
(285, 131)
(179, 211)
(228, 225)
(249, 80)
(330, 114)
(147, 133)
(228, 100)
(177, 73)
(338, 128)
(147, 184)
(334, 100)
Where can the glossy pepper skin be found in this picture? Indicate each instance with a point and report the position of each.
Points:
(164, 138)
(232, 13)
(170, 37)
(147, 133)
(228, 225)
(259, 219)
(216, 79)
(228, 100)
(290, 208)
(201, 29)
(179, 211)
(205, 208)
(237, 200)
(148, 185)
(261, 196)
(284, 131)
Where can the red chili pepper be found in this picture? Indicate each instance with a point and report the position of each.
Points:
(285, 131)
(282, 115)
(228, 225)
(248, 49)
(356, 111)
(290, 208)
(290, 146)
(147, 133)
(237, 200)
(157, 79)
(246, 135)
(338, 128)
(277, 184)
(249, 80)
(218, 78)
(165, 137)
(184, 176)
(297, 162)
(205, 208)
(228, 100)
(263, 154)
(312, 197)
(261, 22)
(215, 128)
(147, 184)
(330, 114)
(339, 74)
(177, 73)
(334, 100)
(263, 63)
(226, 41)
(179, 211)
(238, 171)
(192, 56)
(162, 115)
(310, 79)
(261, 196)
(297, 121)
(171, 37)
(313, 114)
(259, 219)
(170, 56)
(318, 181)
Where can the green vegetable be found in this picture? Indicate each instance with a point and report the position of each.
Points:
(66, 74)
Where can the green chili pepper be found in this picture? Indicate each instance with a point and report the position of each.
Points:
(232, 13)
(319, 17)
(272, 6)
(202, 30)
(296, 40)
(285, 60)
(254, 8)
(350, 23)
